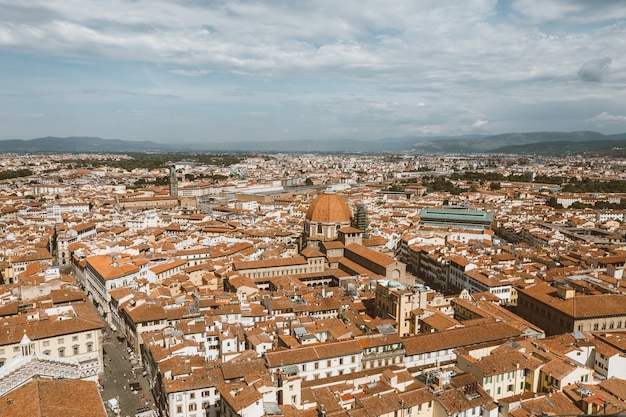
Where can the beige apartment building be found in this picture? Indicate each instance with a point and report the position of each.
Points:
(396, 301)
(560, 309)
(61, 341)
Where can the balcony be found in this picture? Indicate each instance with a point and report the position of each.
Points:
(383, 355)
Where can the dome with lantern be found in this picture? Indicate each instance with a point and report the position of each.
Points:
(326, 214)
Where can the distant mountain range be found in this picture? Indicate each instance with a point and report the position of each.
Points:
(79, 145)
(547, 143)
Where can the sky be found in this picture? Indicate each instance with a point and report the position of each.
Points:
(236, 70)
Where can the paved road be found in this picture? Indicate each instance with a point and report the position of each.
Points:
(119, 376)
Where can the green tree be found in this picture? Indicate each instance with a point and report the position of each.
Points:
(5, 175)
(495, 186)
(396, 187)
(552, 202)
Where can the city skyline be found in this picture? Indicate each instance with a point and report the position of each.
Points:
(172, 71)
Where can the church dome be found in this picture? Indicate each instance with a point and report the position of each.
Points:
(329, 208)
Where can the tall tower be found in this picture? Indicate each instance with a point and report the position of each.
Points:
(173, 181)
(360, 219)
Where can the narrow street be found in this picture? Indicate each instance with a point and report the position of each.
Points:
(121, 381)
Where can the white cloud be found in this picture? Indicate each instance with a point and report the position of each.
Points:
(349, 66)
(480, 123)
(571, 11)
(606, 117)
(357, 36)
(108, 92)
(189, 73)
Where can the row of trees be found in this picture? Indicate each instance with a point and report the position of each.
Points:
(495, 176)
(6, 175)
(594, 186)
(156, 161)
(599, 205)
(165, 180)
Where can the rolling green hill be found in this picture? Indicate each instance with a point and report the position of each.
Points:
(553, 143)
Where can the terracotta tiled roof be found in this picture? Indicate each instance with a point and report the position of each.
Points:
(354, 268)
(615, 339)
(240, 399)
(440, 321)
(146, 312)
(506, 361)
(107, 268)
(159, 269)
(270, 263)
(37, 255)
(311, 253)
(459, 260)
(378, 339)
(200, 378)
(40, 398)
(455, 338)
(238, 369)
(558, 368)
(333, 244)
(456, 401)
(581, 306)
(615, 386)
(14, 328)
(369, 254)
(66, 295)
(556, 404)
(329, 208)
(311, 353)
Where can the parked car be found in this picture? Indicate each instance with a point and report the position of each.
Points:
(114, 405)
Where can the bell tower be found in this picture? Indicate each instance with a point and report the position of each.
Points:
(173, 181)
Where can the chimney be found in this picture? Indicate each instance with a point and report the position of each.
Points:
(565, 292)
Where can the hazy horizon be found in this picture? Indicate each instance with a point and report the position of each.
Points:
(426, 137)
(235, 71)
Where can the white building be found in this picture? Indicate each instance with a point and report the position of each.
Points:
(319, 361)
